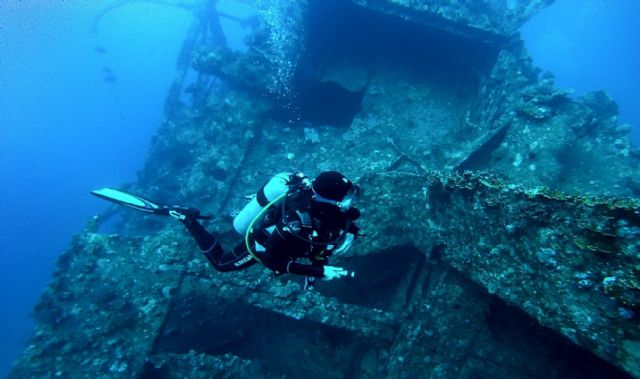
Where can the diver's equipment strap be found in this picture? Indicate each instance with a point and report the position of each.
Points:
(261, 197)
(184, 214)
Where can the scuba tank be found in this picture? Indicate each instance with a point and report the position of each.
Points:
(275, 187)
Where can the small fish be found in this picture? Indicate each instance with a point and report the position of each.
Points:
(109, 78)
(100, 50)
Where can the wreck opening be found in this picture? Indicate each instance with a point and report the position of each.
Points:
(341, 33)
(321, 104)
(347, 46)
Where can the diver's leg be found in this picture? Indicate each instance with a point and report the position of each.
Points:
(205, 240)
(236, 259)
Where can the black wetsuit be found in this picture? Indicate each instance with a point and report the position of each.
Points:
(294, 228)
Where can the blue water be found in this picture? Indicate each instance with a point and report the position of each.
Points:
(77, 110)
(65, 131)
(590, 45)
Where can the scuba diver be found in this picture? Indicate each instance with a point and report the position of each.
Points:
(290, 218)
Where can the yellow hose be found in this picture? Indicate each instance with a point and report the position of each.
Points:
(250, 228)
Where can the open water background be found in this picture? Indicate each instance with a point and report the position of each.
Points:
(67, 127)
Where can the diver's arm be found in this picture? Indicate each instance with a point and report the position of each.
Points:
(316, 269)
(352, 215)
(280, 266)
(306, 270)
(277, 257)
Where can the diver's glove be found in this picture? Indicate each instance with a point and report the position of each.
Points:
(332, 272)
